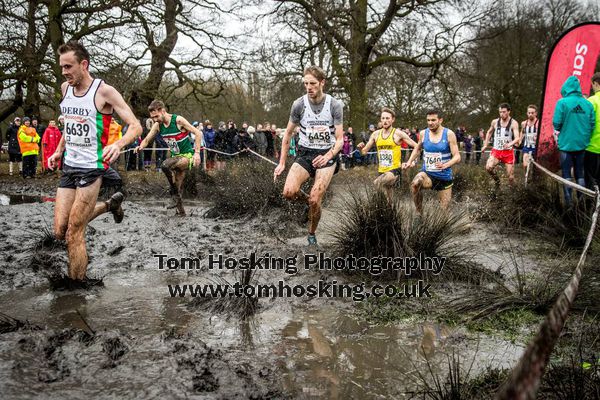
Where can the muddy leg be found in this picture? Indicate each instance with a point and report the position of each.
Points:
(386, 183)
(490, 167)
(81, 211)
(62, 209)
(179, 178)
(179, 169)
(421, 181)
(167, 169)
(295, 178)
(322, 181)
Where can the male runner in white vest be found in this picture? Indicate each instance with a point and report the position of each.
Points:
(175, 131)
(506, 135)
(87, 107)
(320, 118)
(529, 131)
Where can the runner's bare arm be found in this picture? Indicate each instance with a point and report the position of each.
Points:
(488, 135)
(56, 156)
(321, 161)
(516, 134)
(403, 136)
(364, 148)
(415, 153)
(114, 98)
(184, 124)
(149, 138)
(285, 147)
(523, 125)
(453, 149)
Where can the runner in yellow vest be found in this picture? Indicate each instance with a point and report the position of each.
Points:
(388, 140)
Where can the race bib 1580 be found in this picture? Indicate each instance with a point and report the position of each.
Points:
(385, 158)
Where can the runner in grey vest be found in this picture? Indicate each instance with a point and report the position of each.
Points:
(320, 119)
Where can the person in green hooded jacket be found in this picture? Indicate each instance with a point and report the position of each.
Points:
(574, 119)
(592, 152)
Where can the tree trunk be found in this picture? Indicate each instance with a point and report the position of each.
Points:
(357, 118)
(31, 106)
(56, 40)
(359, 59)
(142, 97)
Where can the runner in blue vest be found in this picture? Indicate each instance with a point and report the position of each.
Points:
(440, 153)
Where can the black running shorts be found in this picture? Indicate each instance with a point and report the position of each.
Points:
(306, 156)
(73, 178)
(440, 184)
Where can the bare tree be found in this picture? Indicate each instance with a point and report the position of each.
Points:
(30, 35)
(161, 26)
(361, 36)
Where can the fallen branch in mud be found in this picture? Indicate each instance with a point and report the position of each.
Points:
(10, 324)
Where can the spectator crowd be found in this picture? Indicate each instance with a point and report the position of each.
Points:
(576, 122)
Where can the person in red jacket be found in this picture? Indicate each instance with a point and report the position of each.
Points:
(50, 141)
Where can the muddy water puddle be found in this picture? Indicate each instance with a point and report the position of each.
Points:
(320, 350)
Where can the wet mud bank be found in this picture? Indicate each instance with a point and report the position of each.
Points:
(129, 338)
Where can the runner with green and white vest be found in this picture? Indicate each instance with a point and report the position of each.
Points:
(87, 106)
(176, 131)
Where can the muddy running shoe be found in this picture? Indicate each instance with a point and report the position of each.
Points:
(114, 206)
(175, 201)
(312, 240)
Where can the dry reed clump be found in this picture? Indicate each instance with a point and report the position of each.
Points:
(470, 180)
(538, 208)
(570, 379)
(458, 382)
(10, 324)
(534, 291)
(241, 307)
(244, 188)
(197, 183)
(370, 226)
